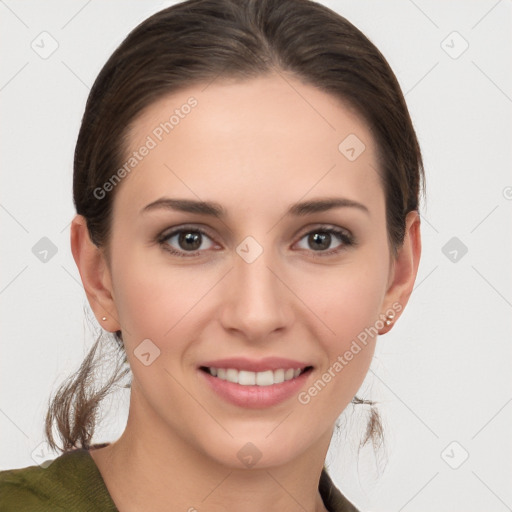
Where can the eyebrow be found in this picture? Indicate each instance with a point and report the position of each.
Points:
(322, 205)
(186, 205)
(216, 210)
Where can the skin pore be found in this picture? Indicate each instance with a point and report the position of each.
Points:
(255, 149)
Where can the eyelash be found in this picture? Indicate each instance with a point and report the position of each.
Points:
(345, 237)
(163, 239)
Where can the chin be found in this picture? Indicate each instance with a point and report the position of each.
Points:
(261, 450)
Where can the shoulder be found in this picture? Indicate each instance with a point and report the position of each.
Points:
(22, 489)
(71, 482)
(333, 500)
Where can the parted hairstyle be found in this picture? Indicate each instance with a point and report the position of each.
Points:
(195, 42)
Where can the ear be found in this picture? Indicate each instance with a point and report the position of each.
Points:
(404, 268)
(95, 274)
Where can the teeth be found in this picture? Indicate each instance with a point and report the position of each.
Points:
(265, 378)
(232, 375)
(246, 378)
(278, 376)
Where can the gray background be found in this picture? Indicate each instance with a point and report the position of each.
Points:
(441, 377)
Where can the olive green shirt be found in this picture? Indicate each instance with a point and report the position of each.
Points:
(73, 483)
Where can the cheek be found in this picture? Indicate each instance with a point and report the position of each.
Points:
(347, 299)
(348, 302)
(151, 299)
(351, 307)
(160, 305)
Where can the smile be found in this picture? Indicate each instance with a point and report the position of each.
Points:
(255, 383)
(261, 378)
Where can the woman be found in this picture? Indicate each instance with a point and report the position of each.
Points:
(246, 183)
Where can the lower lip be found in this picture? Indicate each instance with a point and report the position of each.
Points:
(255, 397)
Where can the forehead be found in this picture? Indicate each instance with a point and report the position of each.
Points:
(271, 136)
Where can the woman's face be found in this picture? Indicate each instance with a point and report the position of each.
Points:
(266, 252)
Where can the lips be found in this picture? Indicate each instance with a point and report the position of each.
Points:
(253, 365)
(255, 383)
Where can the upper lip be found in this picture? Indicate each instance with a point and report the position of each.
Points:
(255, 365)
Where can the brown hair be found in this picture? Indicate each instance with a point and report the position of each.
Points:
(195, 42)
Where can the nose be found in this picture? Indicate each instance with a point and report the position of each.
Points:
(256, 304)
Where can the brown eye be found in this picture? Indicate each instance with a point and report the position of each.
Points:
(190, 241)
(326, 240)
(319, 241)
(185, 241)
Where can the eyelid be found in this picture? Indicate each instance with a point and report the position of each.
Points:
(345, 236)
(200, 228)
(333, 228)
(168, 233)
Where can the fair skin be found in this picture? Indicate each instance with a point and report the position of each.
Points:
(255, 148)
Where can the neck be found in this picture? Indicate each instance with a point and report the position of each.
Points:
(151, 468)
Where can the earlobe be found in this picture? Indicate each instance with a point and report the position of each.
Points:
(95, 275)
(405, 269)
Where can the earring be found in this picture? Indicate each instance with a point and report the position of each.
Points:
(104, 318)
(389, 318)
